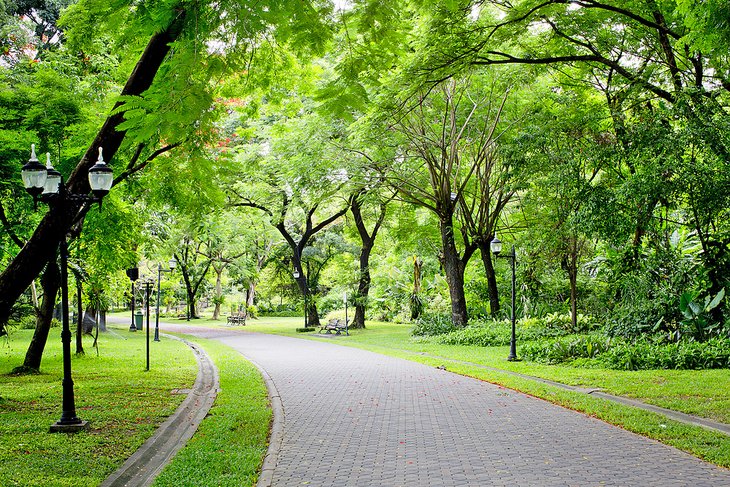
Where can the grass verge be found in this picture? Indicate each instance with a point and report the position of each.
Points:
(230, 444)
(122, 402)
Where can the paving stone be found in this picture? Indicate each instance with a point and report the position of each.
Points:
(356, 418)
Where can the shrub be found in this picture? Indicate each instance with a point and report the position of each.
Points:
(27, 322)
(252, 311)
(565, 349)
(646, 354)
(483, 334)
(433, 324)
(494, 333)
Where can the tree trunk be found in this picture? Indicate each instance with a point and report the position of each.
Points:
(454, 270)
(251, 294)
(102, 320)
(42, 245)
(89, 321)
(368, 241)
(34, 294)
(192, 307)
(486, 251)
(79, 318)
(416, 302)
(50, 283)
(218, 292)
(310, 307)
(571, 267)
(312, 315)
(363, 288)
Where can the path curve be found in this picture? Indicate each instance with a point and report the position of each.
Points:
(146, 463)
(357, 418)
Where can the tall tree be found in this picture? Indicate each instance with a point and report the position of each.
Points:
(159, 111)
(446, 136)
(367, 238)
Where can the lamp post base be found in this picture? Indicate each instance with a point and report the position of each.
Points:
(132, 328)
(59, 427)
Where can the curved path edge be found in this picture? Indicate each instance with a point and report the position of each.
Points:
(147, 462)
(276, 433)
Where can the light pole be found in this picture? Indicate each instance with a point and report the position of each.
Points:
(133, 275)
(297, 275)
(46, 184)
(344, 297)
(496, 246)
(172, 263)
(147, 289)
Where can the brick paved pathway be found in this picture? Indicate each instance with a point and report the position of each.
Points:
(355, 418)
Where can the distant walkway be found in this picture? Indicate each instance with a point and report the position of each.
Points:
(349, 417)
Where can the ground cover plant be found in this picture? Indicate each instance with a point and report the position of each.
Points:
(122, 402)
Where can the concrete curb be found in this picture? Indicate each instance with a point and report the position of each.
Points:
(277, 429)
(148, 461)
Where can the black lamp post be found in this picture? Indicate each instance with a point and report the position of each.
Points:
(297, 275)
(172, 263)
(496, 246)
(133, 275)
(46, 184)
(147, 290)
(347, 328)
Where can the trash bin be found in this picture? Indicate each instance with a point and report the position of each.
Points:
(138, 317)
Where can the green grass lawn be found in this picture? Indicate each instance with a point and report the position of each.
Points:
(121, 401)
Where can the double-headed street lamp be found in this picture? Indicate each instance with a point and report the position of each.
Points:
(147, 282)
(496, 246)
(46, 184)
(133, 275)
(172, 263)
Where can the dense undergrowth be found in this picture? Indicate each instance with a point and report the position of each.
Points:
(552, 340)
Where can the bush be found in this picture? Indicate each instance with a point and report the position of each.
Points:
(27, 322)
(482, 334)
(433, 324)
(252, 312)
(565, 349)
(646, 354)
(493, 333)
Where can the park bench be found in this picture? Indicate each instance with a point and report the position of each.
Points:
(335, 325)
(237, 319)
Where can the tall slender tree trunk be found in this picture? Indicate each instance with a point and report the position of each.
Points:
(571, 267)
(416, 302)
(486, 251)
(454, 270)
(310, 307)
(368, 241)
(218, 291)
(363, 288)
(50, 284)
(79, 317)
(251, 294)
(192, 307)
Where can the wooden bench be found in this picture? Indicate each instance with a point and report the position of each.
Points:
(237, 319)
(335, 325)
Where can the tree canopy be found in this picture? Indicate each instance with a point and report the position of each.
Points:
(594, 135)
